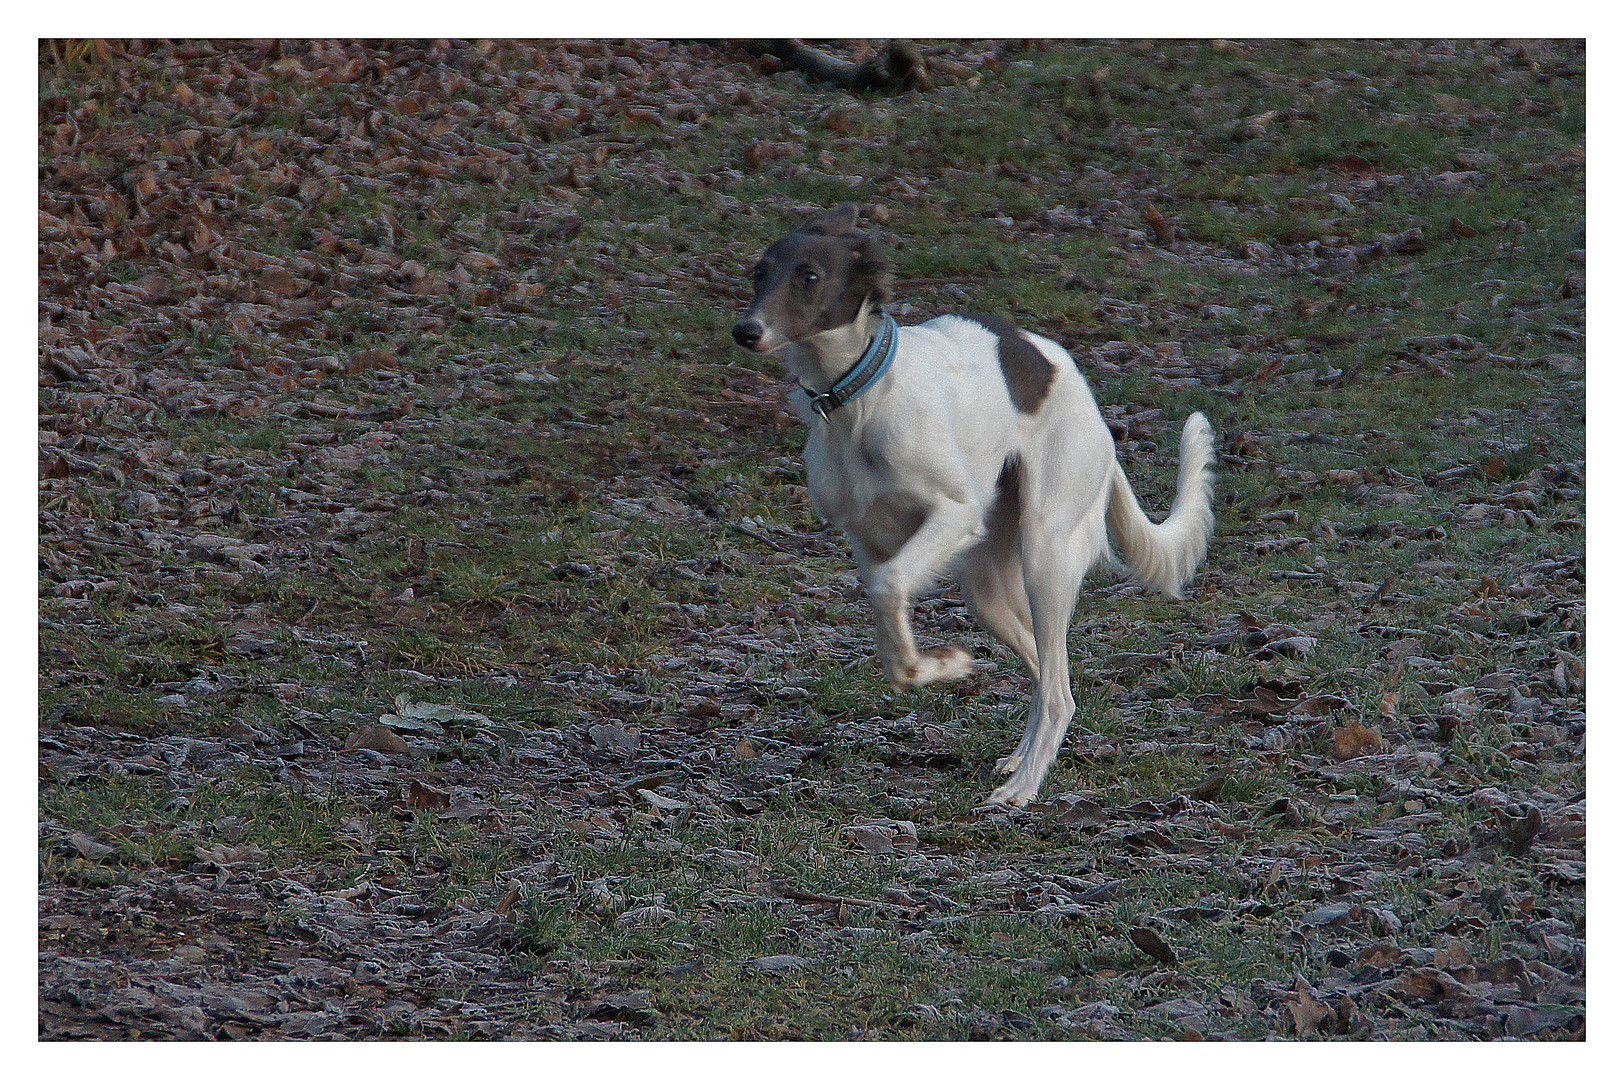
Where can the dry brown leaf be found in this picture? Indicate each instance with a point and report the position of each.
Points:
(1354, 739)
(420, 796)
(376, 737)
(1389, 704)
(1159, 225)
(371, 360)
(1255, 126)
(1306, 1013)
(1150, 943)
(480, 260)
(841, 121)
(1208, 787)
(1269, 367)
(1318, 705)
(278, 282)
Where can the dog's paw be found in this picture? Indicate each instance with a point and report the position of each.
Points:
(932, 665)
(1016, 792)
(1022, 786)
(946, 662)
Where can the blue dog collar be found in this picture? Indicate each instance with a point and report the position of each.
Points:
(863, 374)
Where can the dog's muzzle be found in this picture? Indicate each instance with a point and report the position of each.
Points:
(748, 333)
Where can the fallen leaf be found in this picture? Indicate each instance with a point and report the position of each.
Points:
(280, 283)
(777, 965)
(882, 835)
(1328, 915)
(1354, 739)
(1150, 943)
(371, 360)
(1520, 830)
(1159, 225)
(1318, 705)
(87, 848)
(841, 121)
(648, 915)
(1389, 705)
(1306, 1013)
(1268, 368)
(376, 737)
(223, 855)
(420, 796)
(1255, 126)
(636, 1007)
(427, 716)
(1209, 787)
(660, 802)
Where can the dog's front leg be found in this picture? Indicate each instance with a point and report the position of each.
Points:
(892, 586)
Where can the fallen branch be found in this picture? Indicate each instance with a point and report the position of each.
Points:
(711, 508)
(896, 66)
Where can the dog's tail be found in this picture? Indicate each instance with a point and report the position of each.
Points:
(1164, 556)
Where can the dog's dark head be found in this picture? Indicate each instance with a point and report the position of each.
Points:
(815, 279)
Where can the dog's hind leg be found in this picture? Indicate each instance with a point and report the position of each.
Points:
(995, 589)
(1053, 566)
(996, 595)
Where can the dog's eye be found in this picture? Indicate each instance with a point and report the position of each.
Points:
(809, 277)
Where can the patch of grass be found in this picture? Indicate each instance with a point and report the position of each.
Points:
(148, 822)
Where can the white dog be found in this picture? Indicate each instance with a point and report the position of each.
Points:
(962, 446)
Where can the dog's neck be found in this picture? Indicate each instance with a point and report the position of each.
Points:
(819, 361)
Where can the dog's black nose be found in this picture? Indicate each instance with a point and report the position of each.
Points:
(747, 333)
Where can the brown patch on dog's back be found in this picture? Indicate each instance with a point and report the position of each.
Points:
(1027, 372)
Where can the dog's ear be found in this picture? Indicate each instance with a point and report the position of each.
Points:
(841, 221)
(871, 271)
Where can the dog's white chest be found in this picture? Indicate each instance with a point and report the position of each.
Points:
(841, 489)
(866, 496)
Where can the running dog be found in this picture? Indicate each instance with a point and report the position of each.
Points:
(962, 447)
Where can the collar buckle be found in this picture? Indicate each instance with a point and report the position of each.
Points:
(865, 373)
